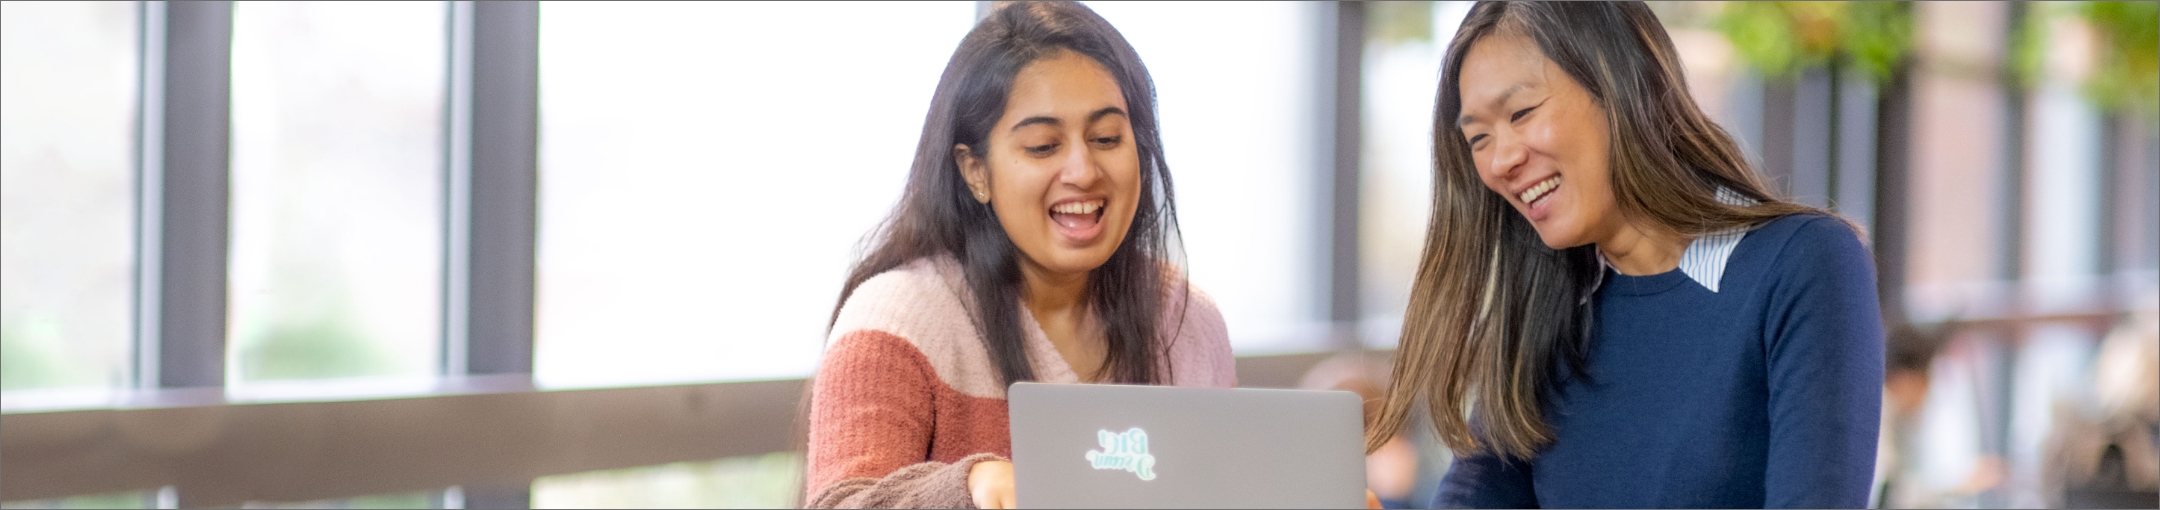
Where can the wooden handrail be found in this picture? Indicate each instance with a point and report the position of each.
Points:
(485, 431)
(227, 454)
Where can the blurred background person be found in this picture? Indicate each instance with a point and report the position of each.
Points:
(2103, 451)
(1404, 472)
(1898, 484)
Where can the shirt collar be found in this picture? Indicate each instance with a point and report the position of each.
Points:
(1706, 256)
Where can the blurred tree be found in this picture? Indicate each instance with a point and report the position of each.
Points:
(1877, 36)
(1684, 14)
(2126, 74)
(1781, 37)
(2125, 66)
(326, 347)
(416, 499)
(23, 364)
(772, 480)
(32, 356)
(1399, 22)
(129, 499)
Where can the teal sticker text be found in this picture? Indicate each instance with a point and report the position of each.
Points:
(1126, 452)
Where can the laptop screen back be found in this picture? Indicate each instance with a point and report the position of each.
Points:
(1112, 446)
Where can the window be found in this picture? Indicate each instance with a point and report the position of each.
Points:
(1237, 87)
(336, 190)
(771, 480)
(1403, 47)
(701, 196)
(68, 98)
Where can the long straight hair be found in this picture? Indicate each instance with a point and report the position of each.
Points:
(1497, 320)
(937, 214)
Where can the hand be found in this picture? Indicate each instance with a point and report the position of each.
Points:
(991, 483)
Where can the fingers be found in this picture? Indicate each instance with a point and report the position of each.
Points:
(990, 484)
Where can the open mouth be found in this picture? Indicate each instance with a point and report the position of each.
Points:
(1540, 191)
(1079, 219)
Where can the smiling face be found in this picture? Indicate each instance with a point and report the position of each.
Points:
(1539, 140)
(1060, 168)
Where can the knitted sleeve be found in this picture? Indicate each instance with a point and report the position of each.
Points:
(922, 485)
(1825, 371)
(871, 426)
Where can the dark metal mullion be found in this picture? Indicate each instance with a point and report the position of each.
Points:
(505, 183)
(2147, 181)
(1779, 95)
(1342, 103)
(2111, 197)
(1893, 182)
(1814, 108)
(492, 209)
(192, 188)
(1854, 191)
(1744, 115)
(2016, 116)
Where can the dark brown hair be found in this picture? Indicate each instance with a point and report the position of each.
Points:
(1496, 319)
(937, 214)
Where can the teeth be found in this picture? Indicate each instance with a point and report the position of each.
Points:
(1088, 207)
(1538, 191)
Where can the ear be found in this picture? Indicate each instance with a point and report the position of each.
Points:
(974, 171)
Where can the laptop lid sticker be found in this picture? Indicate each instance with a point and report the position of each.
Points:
(1127, 451)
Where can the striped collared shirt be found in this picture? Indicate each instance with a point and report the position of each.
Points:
(1704, 260)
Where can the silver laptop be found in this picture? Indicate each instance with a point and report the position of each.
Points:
(1112, 446)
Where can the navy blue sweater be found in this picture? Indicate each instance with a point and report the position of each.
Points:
(1763, 394)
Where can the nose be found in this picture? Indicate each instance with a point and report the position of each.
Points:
(1080, 167)
(1507, 155)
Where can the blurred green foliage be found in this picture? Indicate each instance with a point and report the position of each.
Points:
(1684, 14)
(2126, 70)
(23, 365)
(419, 499)
(422, 499)
(773, 480)
(1875, 37)
(129, 499)
(1399, 22)
(2126, 51)
(32, 356)
(1781, 37)
(326, 347)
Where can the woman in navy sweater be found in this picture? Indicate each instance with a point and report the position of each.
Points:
(1612, 308)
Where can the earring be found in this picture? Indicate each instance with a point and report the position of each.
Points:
(979, 195)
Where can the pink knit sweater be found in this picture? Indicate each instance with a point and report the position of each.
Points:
(906, 400)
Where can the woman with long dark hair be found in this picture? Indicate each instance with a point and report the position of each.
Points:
(1032, 244)
(1613, 309)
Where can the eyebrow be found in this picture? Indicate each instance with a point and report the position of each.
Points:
(1105, 112)
(1092, 117)
(1511, 90)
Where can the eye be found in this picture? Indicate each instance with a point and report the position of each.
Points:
(1475, 139)
(1042, 150)
(1107, 142)
(1520, 113)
